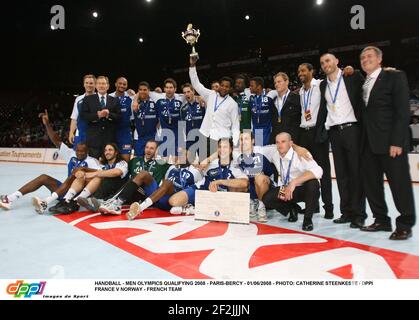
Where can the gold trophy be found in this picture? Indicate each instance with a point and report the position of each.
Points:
(191, 37)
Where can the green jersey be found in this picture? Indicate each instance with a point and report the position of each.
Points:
(156, 168)
(244, 111)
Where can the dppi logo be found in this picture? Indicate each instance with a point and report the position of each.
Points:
(27, 290)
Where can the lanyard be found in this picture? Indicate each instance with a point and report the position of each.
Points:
(146, 105)
(247, 162)
(78, 163)
(190, 111)
(259, 106)
(307, 98)
(169, 102)
(109, 166)
(284, 99)
(337, 90)
(144, 163)
(221, 171)
(122, 100)
(216, 99)
(287, 178)
(182, 181)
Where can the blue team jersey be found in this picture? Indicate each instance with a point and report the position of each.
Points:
(216, 171)
(146, 119)
(193, 114)
(81, 124)
(69, 156)
(183, 178)
(75, 163)
(169, 113)
(262, 110)
(125, 102)
(253, 164)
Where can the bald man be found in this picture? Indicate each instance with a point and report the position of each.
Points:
(298, 181)
(338, 118)
(123, 131)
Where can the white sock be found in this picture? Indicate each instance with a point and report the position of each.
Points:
(261, 205)
(70, 195)
(147, 203)
(14, 196)
(84, 194)
(52, 197)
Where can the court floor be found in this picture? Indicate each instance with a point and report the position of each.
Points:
(161, 246)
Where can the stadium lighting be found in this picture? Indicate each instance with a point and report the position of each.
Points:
(52, 27)
(148, 0)
(319, 2)
(141, 40)
(247, 17)
(95, 14)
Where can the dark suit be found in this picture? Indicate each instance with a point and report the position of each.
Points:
(290, 118)
(386, 123)
(100, 131)
(345, 142)
(320, 152)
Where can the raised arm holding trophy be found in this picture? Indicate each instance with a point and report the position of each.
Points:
(191, 37)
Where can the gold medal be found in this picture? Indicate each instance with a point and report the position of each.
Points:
(282, 193)
(279, 120)
(333, 107)
(307, 115)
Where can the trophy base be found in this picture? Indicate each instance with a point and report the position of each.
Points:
(194, 55)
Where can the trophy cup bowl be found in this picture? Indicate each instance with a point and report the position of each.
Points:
(191, 37)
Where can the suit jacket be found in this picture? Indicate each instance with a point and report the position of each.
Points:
(353, 86)
(290, 118)
(386, 117)
(100, 131)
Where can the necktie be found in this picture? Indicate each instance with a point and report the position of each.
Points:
(366, 89)
(102, 102)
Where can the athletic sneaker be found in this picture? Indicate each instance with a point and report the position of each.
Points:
(88, 204)
(97, 203)
(40, 205)
(176, 210)
(262, 217)
(55, 209)
(5, 203)
(68, 207)
(112, 207)
(254, 203)
(187, 210)
(134, 211)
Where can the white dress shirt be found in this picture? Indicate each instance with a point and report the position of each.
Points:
(298, 166)
(369, 84)
(343, 111)
(313, 95)
(223, 123)
(278, 100)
